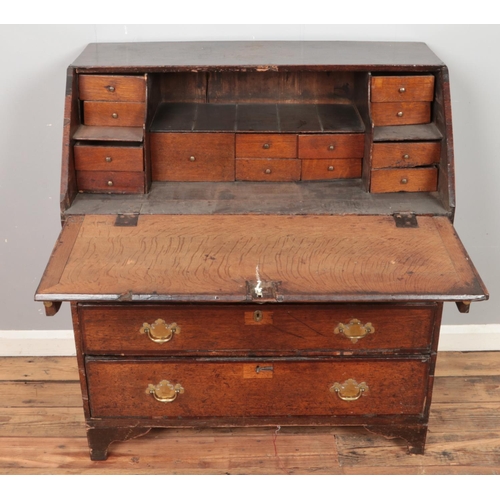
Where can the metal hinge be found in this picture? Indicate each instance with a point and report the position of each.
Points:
(405, 219)
(126, 220)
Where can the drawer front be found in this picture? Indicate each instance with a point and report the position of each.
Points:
(266, 146)
(106, 158)
(114, 114)
(267, 170)
(313, 170)
(331, 146)
(405, 154)
(404, 179)
(401, 113)
(112, 88)
(192, 157)
(252, 388)
(402, 88)
(208, 330)
(110, 182)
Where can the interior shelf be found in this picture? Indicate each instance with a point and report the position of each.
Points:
(293, 118)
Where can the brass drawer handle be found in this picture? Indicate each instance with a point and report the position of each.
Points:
(349, 390)
(354, 330)
(165, 392)
(159, 331)
(114, 115)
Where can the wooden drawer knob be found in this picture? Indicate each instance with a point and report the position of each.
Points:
(354, 330)
(349, 390)
(165, 391)
(159, 331)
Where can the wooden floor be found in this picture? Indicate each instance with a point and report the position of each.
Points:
(42, 432)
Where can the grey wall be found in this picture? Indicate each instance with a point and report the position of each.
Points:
(33, 60)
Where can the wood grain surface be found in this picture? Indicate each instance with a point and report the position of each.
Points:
(112, 88)
(215, 330)
(114, 114)
(402, 88)
(221, 389)
(109, 157)
(212, 257)
(405, 154)
(413, 113)
(267, 170)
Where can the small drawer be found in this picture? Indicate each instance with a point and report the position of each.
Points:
(109, 158)
(404, 179)
(112, 88)
(331, 146)
(182, 388)
(313, 170)
(402, 88)
(110, 182)
(238, 330)
(401, 113)
(192, 156)
(114, 114)
(266, 146)
(267, 170)
(405, 154)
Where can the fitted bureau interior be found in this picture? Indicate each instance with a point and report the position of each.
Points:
(321, 137)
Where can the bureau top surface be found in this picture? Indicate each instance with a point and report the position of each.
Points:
(257, 55)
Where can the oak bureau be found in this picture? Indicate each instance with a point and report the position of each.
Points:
(257, 234)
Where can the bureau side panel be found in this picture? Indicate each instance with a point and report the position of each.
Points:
(70, 124)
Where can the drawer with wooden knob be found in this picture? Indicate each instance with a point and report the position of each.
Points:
(114, 114)
(267, 170)
(400, 113)
(331, 146)
(192, 156)
(266, 146)
(107, 157)
(238, 330)
(112, 88)
(110, 182)
(204, 388)
(405, 154)
(347, 168)
(402, 88)
(393, 180)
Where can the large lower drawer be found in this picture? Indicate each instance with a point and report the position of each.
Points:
(255, 329)
(252, 388)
